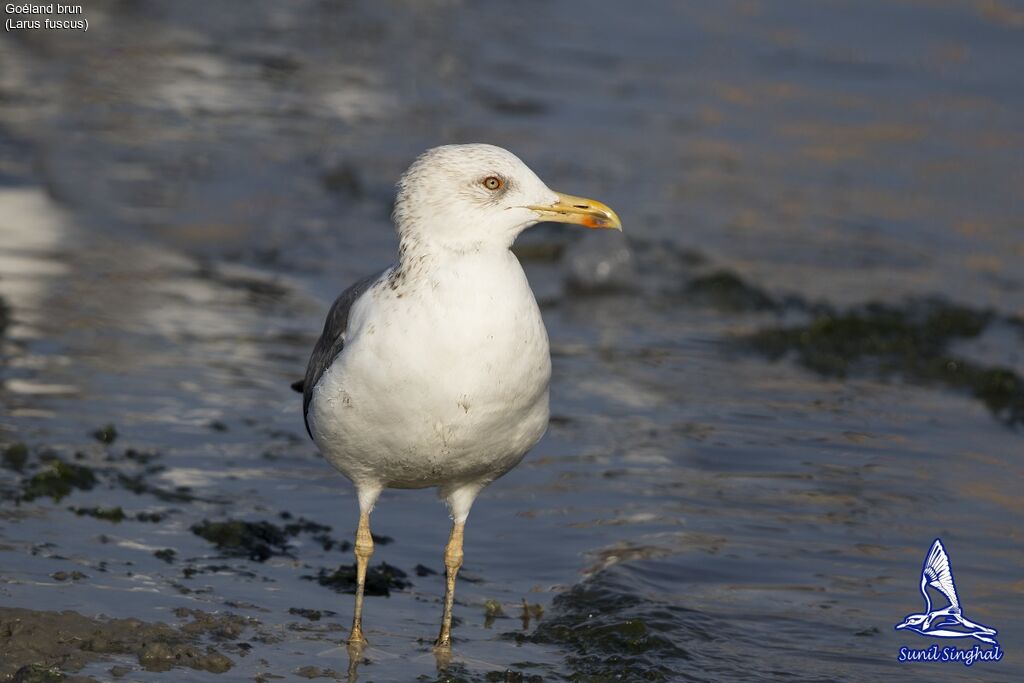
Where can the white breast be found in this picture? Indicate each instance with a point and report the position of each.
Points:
(444, 376)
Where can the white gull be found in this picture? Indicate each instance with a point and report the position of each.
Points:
(435, 371)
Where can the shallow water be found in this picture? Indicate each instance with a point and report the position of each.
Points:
(184, 189)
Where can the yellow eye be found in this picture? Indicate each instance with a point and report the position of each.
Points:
(492, 182)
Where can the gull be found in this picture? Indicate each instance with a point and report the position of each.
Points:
(936, 573)
(434, 372)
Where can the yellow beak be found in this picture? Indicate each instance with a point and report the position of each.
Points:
(581, 211)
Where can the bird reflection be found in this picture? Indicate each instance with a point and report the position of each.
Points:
(355, 658)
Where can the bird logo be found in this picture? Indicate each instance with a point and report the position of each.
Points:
(948, 621)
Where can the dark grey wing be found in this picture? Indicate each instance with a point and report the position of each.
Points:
(332, 340)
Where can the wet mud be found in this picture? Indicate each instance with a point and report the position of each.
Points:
(51, 646)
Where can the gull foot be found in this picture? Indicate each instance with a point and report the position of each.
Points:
(357, 639)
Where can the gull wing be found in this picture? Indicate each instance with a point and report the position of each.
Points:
(937, 574)
(332, 340)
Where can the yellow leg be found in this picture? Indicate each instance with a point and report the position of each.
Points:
(364, 549)
(452, 563)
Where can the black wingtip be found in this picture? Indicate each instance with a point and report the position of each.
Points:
(299, 386)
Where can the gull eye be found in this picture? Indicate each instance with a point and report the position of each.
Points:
(492, 182)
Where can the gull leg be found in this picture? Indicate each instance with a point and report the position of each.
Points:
(363, 551)
(452, 563)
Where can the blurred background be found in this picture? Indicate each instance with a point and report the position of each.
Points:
(800, 364)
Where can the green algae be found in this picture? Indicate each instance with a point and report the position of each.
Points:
(15, 456)
(306, 613)
(106, 434)
(318, 532)
(58, 480)
(833, 341)
(167, 555)
(262, 539)
(54, 476)
(139, 486)
(37, 673)
(345, 179)
(911, 341)
(726, 291)
(380, 580)
(256, 540)
(5, 315)
(113, 514)
(48, 474)
(610, 634)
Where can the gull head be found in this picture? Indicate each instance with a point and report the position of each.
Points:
(468, 196)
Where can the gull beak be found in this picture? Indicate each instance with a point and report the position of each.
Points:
(589, 213)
